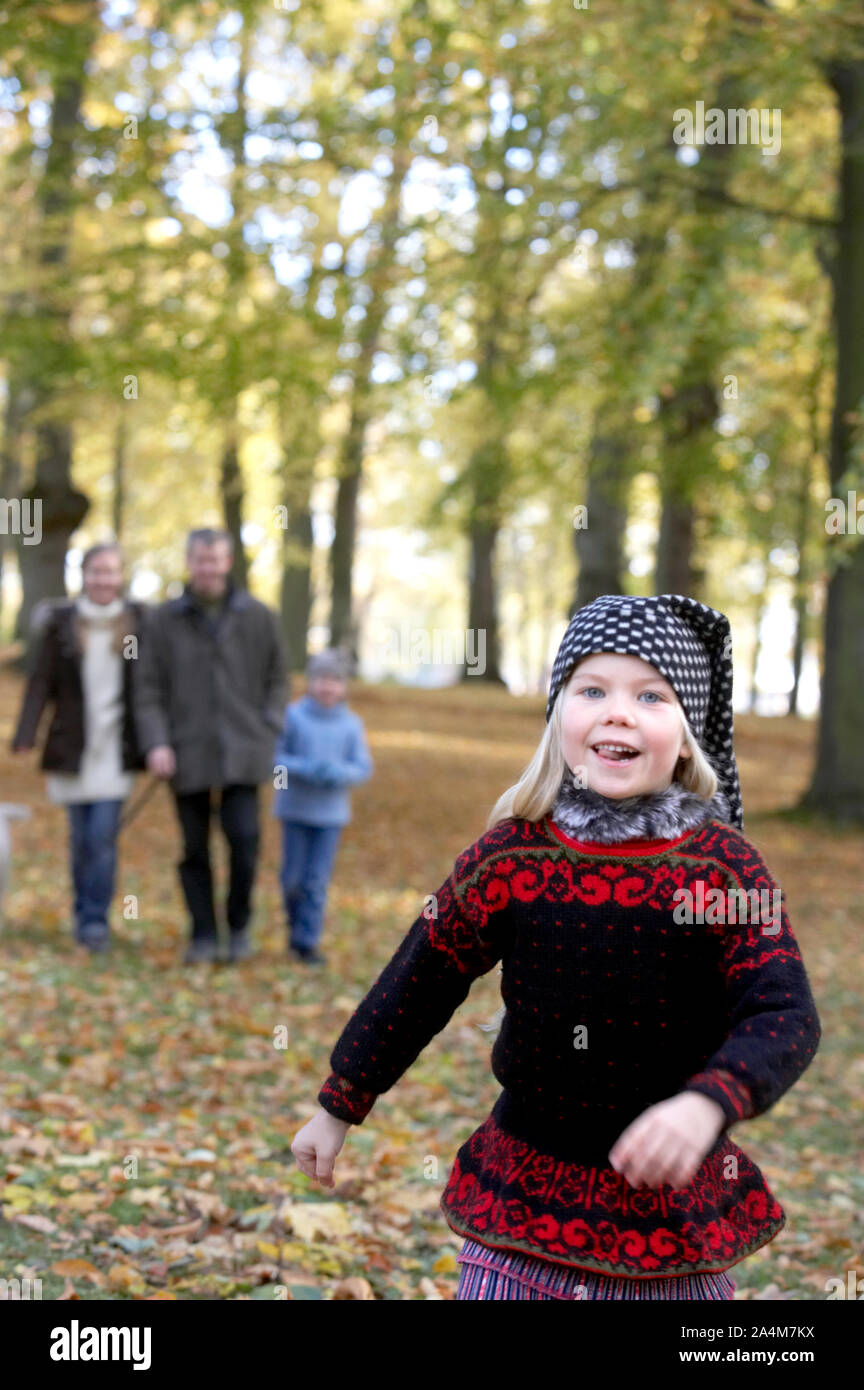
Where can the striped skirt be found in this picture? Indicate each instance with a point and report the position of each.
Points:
(506, 1274)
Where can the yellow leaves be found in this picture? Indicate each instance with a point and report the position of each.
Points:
(286, 1253)
(85, 1201)
(446, 1264)
(316, 1220)
(148, 1196)
(122, 1276)
(20, 1198)
(294, 1251)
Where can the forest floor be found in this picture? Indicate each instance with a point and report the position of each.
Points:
(146, 1114)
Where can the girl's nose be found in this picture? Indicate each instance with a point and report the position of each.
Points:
(619, 714)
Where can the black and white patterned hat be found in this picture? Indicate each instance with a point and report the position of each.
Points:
(689, 643)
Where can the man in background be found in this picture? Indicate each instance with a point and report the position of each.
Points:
(209, 700)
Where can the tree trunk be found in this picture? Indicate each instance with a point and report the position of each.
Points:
(687, 421)
(118, 492)
(43, 566)
(759, 605)
(62, 507)
(299, 446)
(10, 463)
(482, 639)
(233, 131)
(600, 546)
(673, 572)
(687, 412)
(837, 786)
(231, 488)
(804, 567)
(343, 631)
(801, 581)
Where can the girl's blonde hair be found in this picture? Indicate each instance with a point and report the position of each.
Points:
(537, 789)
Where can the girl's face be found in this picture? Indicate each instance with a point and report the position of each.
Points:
(624, 700)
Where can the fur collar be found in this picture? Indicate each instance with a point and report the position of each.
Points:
(588, 816)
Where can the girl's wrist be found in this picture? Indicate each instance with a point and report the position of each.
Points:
(714, 1105)
(334, 1119)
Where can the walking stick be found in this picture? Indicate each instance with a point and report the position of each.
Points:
(135, 805)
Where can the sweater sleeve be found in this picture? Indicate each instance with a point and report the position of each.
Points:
(286, 755)
(276, 674)
(41, 686)
(774, 1029)
(456, 938)
(357, 766)
(150, 687)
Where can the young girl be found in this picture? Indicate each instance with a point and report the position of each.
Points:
(650, 1001)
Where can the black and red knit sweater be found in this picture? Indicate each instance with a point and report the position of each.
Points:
(585, 934)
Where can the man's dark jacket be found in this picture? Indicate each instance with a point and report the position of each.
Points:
(55, 678)
(212, 689)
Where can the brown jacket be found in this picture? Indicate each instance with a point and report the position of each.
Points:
(56, 679)
(215, 692)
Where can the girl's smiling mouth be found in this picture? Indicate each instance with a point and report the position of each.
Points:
(615, 754)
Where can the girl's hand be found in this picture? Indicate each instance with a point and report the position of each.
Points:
(316, 1145)
(668, 1141)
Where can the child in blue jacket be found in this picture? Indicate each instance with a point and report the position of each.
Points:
(320, 753)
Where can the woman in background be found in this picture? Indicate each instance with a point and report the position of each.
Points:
(84, 669)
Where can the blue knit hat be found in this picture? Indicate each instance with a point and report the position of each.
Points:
(332, 664)
(688, 643)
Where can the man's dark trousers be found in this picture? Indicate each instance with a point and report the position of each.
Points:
(238, 812)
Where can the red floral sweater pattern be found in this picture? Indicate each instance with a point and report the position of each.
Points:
(590, 950)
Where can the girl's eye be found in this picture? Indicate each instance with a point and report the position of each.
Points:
(588, 688)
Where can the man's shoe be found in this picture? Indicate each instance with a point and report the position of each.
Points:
(240, 945)
(95, 936)
(202, 949)
(310, 955)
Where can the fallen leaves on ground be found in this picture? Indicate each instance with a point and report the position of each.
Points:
(147, 1112)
